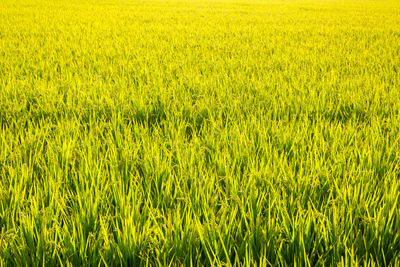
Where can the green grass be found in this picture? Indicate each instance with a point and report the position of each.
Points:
(199, 132)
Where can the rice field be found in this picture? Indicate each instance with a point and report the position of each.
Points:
(199, 133)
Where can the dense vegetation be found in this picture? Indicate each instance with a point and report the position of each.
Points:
(199, 132)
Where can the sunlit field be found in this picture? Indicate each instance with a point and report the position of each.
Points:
(199, 132)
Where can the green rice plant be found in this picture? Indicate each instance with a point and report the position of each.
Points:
(216, 133)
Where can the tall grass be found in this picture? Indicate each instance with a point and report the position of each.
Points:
(199, 132)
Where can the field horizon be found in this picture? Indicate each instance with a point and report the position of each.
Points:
(199, 133)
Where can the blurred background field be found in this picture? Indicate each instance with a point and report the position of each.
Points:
(199, 132)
